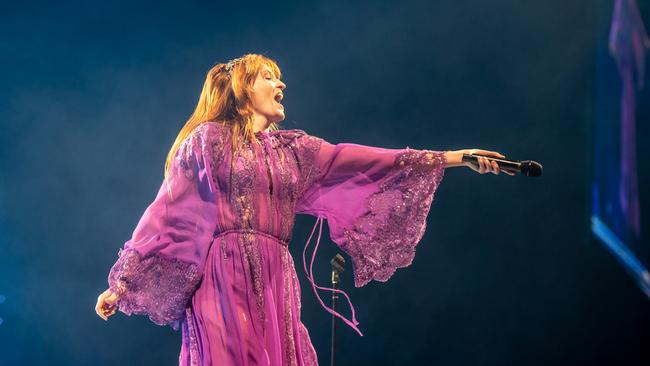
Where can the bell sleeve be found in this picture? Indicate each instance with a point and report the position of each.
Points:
(375, 200)
(160, 267)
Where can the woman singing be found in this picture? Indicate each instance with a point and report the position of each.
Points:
(210, 253)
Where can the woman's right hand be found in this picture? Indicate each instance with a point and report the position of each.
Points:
(106, 304)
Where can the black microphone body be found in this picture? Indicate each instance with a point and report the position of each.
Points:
(528, 168)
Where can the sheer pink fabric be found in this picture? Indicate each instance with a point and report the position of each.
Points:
(215, 257)
(376, 202)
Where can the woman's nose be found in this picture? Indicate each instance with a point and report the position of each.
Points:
(282, 85)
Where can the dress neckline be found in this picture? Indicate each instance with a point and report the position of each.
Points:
(267, 133)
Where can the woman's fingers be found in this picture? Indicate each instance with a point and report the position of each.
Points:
(495, 168)
(106, 304)
(110, 312)
(481, 165)
(485, 165)
(488, 166)
(112, 298)
(99, 308)
(488, 153)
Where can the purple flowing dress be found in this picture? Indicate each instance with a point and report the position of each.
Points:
(214, 259)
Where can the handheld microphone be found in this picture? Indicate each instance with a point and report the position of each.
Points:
(528, 168)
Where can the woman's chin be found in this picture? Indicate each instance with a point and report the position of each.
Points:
(278, 118)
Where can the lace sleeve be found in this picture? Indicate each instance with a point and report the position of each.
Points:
(376, 202)
(160, 267)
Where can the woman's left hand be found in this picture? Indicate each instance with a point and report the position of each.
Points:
(484, 165)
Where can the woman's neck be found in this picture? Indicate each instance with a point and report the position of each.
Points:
(260, 123)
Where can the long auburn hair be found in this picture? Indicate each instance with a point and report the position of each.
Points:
(226, 99)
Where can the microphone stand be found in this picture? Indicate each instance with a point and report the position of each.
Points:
(338, 263)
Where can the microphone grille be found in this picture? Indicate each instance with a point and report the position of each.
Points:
(531, 168)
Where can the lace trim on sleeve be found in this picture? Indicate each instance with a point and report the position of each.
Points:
(156, 286)
(153, 283)
(385, 237)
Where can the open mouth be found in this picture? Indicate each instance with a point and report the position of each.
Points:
(278, 97)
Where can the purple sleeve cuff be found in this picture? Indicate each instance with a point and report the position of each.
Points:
(385, 236)
(156, 286)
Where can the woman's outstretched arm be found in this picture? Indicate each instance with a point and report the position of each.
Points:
(376, 200)
(159, 268)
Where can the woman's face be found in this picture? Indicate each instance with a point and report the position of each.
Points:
(266, 97)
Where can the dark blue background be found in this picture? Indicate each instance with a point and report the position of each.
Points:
(93, 95)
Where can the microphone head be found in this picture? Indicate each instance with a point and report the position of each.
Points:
(338, 263)
(531, 168)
